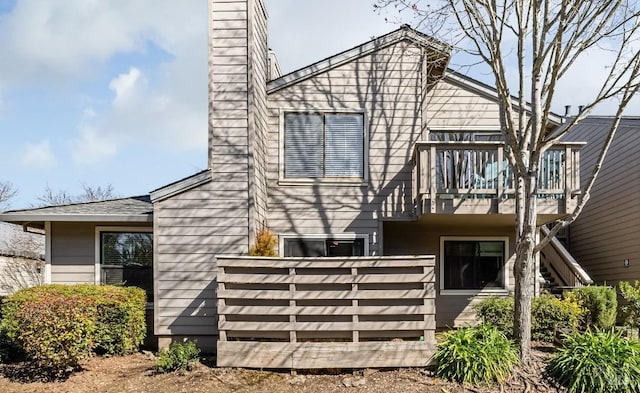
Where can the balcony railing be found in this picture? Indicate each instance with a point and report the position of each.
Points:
(480, 170)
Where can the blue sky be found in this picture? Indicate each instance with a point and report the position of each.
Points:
(114, 91)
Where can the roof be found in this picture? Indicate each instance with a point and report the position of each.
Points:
(599, 123)
(131, 209)
(404, 33)
(181, 185)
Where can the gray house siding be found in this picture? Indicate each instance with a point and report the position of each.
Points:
(73, 250)
(219, 217)
(386, 87)
(608, 230)
(190, 229)
(416, 238)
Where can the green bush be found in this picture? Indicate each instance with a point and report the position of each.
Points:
(631, 310)
(116, 316)
(475, 355)
(600, 361)
(497, 311)
(548, 314)
(600, 304)
(180, 357)
(56, 332)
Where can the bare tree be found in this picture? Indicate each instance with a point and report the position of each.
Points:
(541, 41)
(7, 191)
(90, 193)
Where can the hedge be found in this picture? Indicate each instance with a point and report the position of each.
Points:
(59, 325)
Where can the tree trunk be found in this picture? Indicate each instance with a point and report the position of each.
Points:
(525, 264)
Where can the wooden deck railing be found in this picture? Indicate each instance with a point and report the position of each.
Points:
(304, 313)
(480, 170)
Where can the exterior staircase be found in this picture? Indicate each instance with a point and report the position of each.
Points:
(559, 271)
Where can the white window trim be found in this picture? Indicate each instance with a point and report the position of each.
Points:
(338, 181)
(98, 251)
(47, 252)
(488, 291)
(324, 236)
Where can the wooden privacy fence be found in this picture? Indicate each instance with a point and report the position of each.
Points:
(302, 313)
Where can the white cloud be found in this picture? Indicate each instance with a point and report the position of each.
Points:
(38, 155)
(127, 86)
(91, 146)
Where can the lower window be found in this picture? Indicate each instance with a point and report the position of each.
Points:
(126, 258)
(327, 247)
(473, 264)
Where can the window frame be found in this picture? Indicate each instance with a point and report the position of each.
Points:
(339, 181)
(504, 290)
(98, 248)
(324, 237)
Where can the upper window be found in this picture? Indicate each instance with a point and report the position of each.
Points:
(473, 264)
(323, 145)
(127, 258)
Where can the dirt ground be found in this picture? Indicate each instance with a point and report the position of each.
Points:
(134, 373)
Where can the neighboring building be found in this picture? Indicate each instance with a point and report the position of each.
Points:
(21, 258)
(606, 236)
(379, 151)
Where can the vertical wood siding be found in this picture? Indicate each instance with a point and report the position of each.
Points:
(608, 230)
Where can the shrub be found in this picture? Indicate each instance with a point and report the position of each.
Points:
(600, 303)
(631, 310)
(265, 245)
(548, 314)
(56, 332)
(497, 311)
(475, 355)
(600, 361)
(180, 357)
(112, 319)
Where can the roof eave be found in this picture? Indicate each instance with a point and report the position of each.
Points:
(404, 33)
(180, 186)
(22, 219)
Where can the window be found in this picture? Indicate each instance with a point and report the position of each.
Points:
(126, 257)
(324, 247)
(470, 264)
(323, 145)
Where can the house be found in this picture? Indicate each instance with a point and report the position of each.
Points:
(379, 156)
(605, 237)
(21, 258)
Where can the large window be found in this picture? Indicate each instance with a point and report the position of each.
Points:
(469, 264)
(323, 145)
(126, 258)
(324, 246)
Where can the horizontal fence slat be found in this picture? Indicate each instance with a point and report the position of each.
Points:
(330, 263)
(325, 355)
(310, 295)
(328, 310)
(326, 326)
(323, 278)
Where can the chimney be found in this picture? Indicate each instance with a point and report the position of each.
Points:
(567, 109)
(238, 66)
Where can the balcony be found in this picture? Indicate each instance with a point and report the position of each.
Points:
(476, 178)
